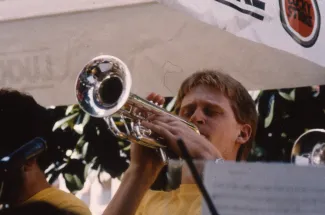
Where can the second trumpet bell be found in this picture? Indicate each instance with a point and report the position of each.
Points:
(309, 148)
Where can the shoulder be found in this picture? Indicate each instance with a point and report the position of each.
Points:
(62, 200)
(42, 207)
(187, 198)
(71, 202)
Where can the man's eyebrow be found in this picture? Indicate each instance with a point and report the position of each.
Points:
(190, 105)
(214, 105)
(207, 103)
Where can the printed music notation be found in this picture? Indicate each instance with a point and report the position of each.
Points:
(265, 189)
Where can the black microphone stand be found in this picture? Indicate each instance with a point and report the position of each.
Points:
(196, 176)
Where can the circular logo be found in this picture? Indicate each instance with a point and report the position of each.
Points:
(301, 19)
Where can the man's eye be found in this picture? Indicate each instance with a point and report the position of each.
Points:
(187, 113)
(210, 112)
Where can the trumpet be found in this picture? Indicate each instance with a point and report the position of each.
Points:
(309, 148)
(103, 90)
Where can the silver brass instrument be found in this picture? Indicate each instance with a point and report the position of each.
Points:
(309, 148)
(103, 90)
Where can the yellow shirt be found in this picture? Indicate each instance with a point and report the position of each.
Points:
(185, 200)
(61, 199)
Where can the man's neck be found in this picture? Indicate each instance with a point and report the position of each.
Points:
(33, 187)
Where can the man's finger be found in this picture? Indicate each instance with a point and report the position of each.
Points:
(160, 130)
(160, 100)
(151, 96)
(162, 117)
(156, 98)
(171, 129)
(166, 132)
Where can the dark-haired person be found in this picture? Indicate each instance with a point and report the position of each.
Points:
(21, 120)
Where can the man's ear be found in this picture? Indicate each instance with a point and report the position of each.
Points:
(245, 134)
(29, 165)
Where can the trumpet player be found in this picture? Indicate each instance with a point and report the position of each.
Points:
(226, 117)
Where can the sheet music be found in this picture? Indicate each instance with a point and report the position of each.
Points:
(265, 189)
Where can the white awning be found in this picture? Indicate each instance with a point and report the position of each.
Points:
(44, 45)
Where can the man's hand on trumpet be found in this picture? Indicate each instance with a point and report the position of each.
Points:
(171, 129)
(145, 162)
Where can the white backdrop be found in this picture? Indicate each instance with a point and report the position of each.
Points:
(296, 27)
(43, 54)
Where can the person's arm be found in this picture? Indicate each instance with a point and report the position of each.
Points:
(144, 168)
(130, 193)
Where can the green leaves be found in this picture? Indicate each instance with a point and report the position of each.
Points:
(79, 128)
(72, 109)
(73, 174)
(65, 122)
(94, 148)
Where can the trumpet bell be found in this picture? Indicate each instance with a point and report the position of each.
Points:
(309, 148)
(103, 90)
(103, 86)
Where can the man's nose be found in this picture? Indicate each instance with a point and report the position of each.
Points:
(198, 117)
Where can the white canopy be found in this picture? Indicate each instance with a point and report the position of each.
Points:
(44, 45)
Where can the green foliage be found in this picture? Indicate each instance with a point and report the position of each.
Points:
(94, 147)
